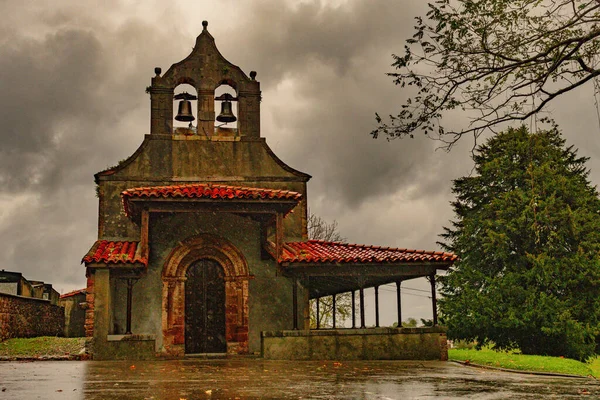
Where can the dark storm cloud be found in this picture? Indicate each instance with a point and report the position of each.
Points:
(71, 90)
(336, 59)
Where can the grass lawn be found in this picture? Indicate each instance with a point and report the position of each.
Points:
(523, 362)
(41, 346)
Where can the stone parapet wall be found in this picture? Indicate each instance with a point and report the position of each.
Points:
(429, 343)
(29, 317)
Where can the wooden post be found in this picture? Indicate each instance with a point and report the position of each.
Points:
(295, 303)
(353, 309)
(318, 318)
(362, 308)
(377, 306)
(433, 299)
(399, 303)
(130, 283)
(333, 311)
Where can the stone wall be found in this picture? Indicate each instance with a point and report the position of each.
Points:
(29, 317)
(429, 343)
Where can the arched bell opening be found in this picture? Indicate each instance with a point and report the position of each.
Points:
(185, 106)
(226, 109)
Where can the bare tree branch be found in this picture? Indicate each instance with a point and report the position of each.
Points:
(501, 61)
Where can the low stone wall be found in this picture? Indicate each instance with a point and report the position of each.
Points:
(29, 317)
(427, 343)
(127, 347)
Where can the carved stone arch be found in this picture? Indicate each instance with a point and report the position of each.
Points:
(186, 80)
(228, 82)
(236, 273)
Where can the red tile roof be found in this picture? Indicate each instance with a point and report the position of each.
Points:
(73, 293)
(318, 251)
(123, 252)
(206, 191)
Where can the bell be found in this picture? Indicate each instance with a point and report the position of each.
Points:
(185, 111)
(226, 115)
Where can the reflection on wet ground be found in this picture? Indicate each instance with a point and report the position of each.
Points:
(260, 379)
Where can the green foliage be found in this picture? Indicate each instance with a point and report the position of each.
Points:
(499, 60)
(41, 346)
(409, 323)
(522, 362)
(527, 232)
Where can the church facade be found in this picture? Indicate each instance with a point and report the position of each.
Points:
(202, 239)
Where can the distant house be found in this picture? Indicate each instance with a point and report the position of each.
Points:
(15, 283)
(28, 308)
(74, 305)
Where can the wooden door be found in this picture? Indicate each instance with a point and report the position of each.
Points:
(205, 308)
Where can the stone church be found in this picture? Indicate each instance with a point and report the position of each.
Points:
(202, 239)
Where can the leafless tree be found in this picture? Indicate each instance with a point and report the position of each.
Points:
(320, 229)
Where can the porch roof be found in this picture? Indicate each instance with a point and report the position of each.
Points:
(115, 252)
(209, 193)
(327, 268)
(320, 252)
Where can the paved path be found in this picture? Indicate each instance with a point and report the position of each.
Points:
(259, 379)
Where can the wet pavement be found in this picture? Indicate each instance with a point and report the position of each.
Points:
(261, 379)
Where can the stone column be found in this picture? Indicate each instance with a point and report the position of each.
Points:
(102, 305)
(161, 110)
(206, 112)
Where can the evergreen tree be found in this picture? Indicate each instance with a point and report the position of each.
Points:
(527, 232)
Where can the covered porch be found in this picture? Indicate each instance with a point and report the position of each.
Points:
(330, 269)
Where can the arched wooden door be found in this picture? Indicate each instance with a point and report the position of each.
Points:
(205, 308)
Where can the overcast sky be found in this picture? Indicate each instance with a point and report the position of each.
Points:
(72, 81)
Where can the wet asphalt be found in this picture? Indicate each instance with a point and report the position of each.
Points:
(262, 379)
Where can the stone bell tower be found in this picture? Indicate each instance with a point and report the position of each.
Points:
(205, 69)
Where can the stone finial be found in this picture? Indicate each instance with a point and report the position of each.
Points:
(253, 75)
(204, 25)
(157, 71)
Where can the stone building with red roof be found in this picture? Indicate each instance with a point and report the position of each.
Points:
(202, 241)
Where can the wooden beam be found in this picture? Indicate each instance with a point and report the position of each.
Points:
(433, 299)
(333, 313)
(318, 316)
(399, 303)
(353, 309)
(362, 308)
(376, 306)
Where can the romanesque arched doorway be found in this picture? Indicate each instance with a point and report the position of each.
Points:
(205, 308)
(182, 266)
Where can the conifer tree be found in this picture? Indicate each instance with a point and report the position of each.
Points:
(527, 231)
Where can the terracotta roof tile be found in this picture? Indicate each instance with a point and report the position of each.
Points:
(117, 252)
(73, 293)
(206, 191)
(318, 251)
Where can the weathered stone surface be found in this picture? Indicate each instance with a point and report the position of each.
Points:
(357, 344)
(74, 314)
(22, 317)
